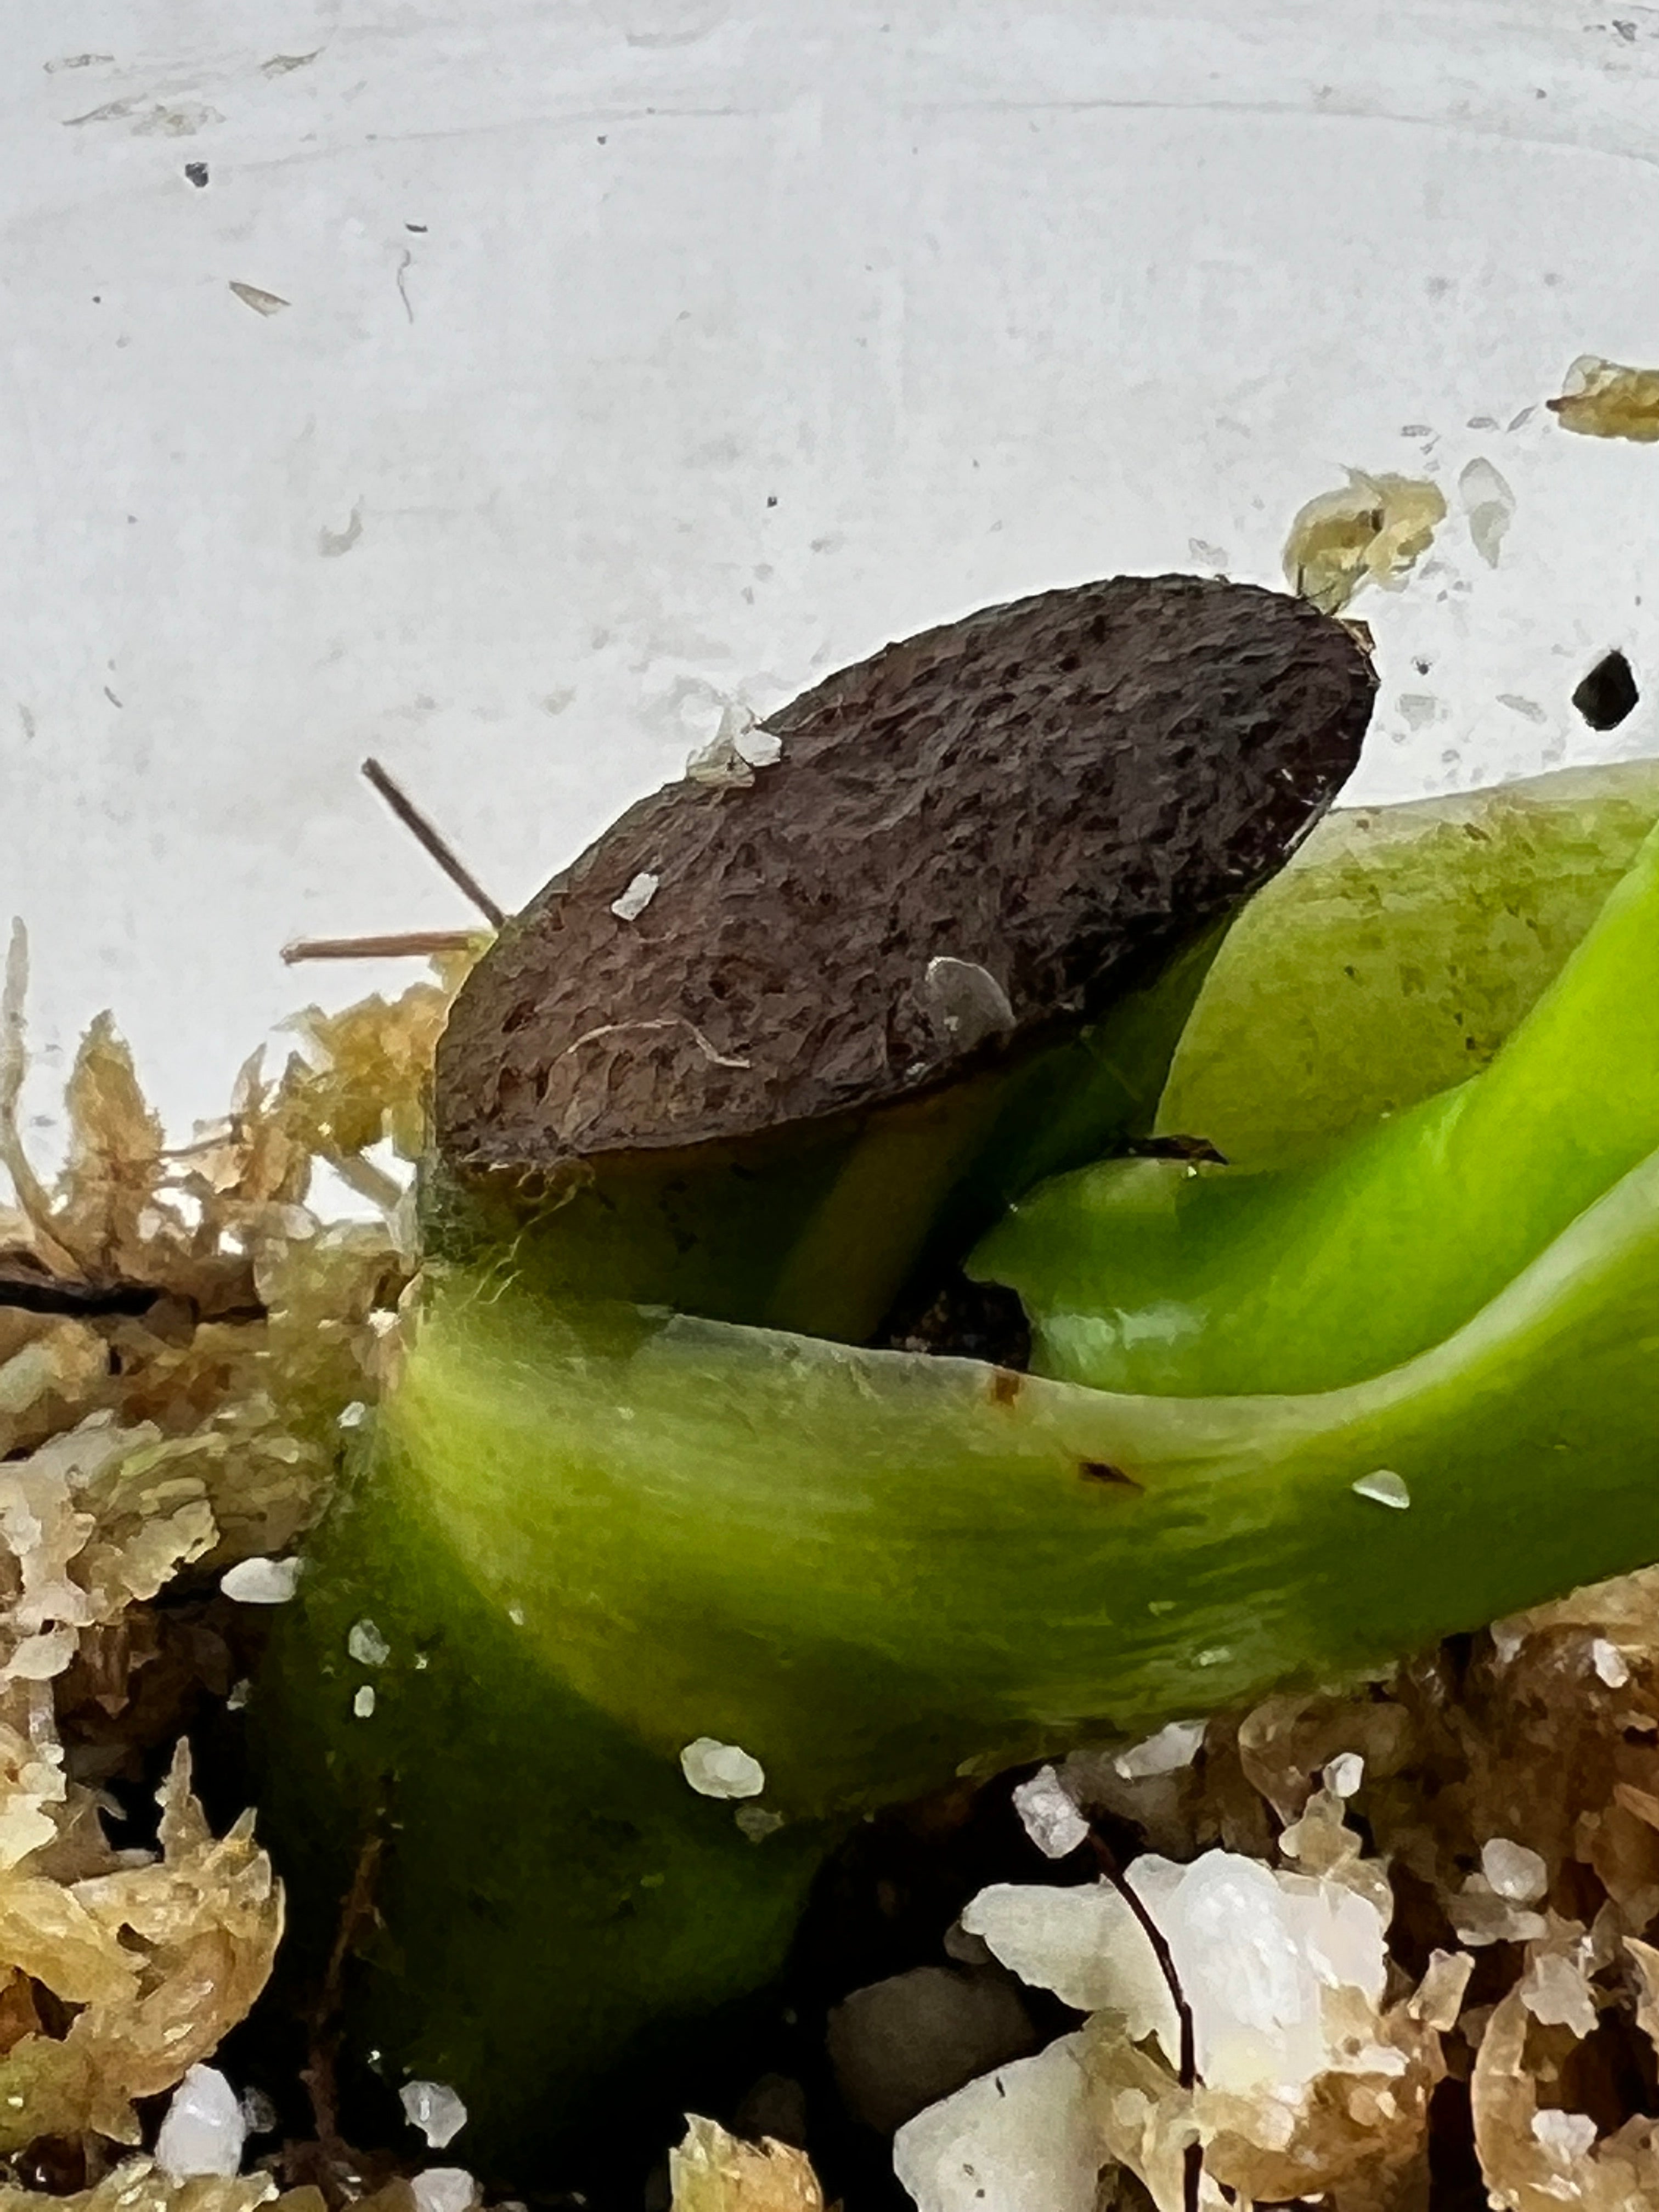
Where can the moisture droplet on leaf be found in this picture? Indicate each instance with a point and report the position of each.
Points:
(965, 1001)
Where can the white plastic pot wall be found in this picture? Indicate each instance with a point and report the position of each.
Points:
(644, 353)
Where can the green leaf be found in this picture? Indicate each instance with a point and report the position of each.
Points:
(1161, 1275)
(1395, 954)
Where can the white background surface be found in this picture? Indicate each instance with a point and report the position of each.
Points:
(737, 339)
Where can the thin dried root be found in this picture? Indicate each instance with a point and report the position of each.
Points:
(413, 943)
(431, 840)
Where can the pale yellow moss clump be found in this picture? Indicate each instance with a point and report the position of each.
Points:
(1373, 531)
(1603, 399)
(197, 1427)
(713, 2172)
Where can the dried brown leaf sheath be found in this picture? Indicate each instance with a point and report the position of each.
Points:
(1057, 791)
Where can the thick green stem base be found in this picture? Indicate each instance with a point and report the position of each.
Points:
(493, 1885)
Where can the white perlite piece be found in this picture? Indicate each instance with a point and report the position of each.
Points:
(1258, 1953)
(203, 2131)
(639, 895)
(1479, 1916)
(1557, 1993)
(1014, 2141)
(1507, 1638)
(1085, 1945)
(1174, 1745)
(367, 1645)
(38, 1658)
(262, 1581)
(1255, 1952)
(1514, 1871)
(1438, 1998)
(721, 1770)
(1567, 2136)
(1610, 1664)
(1049, 1815)
(444, 2189)
(1385, 1487)
(363, 1704)
(1344, 1773)
(738, 748)
(759, 747)
(435, 2110)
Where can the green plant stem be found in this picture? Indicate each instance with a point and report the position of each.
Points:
(626, 1530)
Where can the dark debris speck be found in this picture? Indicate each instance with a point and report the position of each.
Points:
(1101, 1470)
(964, 1320)
(1608, 695)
